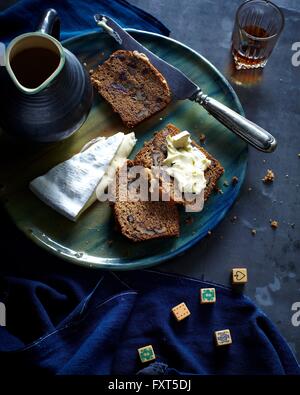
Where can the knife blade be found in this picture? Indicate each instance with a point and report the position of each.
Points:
(183, 88)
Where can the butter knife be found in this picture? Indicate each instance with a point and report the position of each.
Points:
(183, 88)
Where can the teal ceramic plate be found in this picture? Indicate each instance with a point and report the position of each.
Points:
(93, 241)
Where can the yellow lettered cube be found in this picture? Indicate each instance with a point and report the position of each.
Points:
(239, 276)
(181, 311)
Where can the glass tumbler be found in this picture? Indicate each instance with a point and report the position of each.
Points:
(258, 24)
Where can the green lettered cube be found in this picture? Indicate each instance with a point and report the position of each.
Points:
(146, 353)
(208, 295)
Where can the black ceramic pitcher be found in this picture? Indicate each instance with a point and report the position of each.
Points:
(45, 92)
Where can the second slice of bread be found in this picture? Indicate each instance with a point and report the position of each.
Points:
(154, 152)
(144, 220)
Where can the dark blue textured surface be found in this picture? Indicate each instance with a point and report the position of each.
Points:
(96, 325)
(67, 320)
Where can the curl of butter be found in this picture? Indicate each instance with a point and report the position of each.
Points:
(103, 23)
(186, 163)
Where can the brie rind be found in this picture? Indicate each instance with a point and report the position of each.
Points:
(69, 186)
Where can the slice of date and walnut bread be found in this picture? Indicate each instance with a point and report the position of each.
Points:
(144, 220)
(135, 89)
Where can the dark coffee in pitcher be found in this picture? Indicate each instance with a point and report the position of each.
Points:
(32, 66)
(36, 105)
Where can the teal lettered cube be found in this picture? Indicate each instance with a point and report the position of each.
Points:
(208, 295)
(146, 354)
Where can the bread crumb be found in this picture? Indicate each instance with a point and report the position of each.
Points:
(249, 189)
(209, 233)
(225, 183)
(218, 190)
(274, 224)
(298, 155)
(293, 225)
(234, 180)
(91, 71)
(253, 232)
(269, 177)
(202, 137)
(189, 220)
(234, 218)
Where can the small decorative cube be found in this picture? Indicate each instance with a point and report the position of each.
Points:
(146, 354)
(207, 295)
(181, 311)
(223, 338)
(239, 276)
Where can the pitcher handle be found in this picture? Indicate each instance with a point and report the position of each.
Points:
(50, 24)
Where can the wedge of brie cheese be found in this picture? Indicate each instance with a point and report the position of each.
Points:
(69, 187)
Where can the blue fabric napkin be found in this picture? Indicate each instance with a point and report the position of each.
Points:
(63, 319)
(96, 326)
(76, 17)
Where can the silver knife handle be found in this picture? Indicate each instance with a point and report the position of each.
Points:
(247, 130)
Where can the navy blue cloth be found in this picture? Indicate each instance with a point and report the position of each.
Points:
(76, 17)
(63, 319)
(98, 329)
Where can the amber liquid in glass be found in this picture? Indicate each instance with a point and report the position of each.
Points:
(252, 52)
